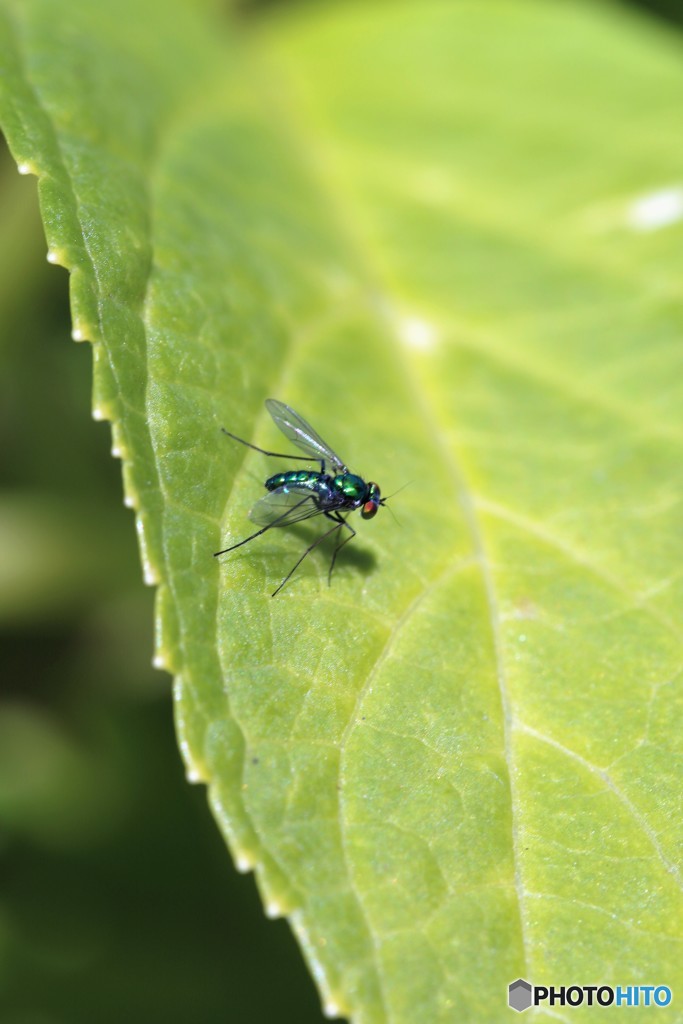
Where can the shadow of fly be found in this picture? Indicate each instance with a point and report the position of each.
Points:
(299, 494)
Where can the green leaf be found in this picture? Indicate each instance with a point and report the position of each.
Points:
(451, 236)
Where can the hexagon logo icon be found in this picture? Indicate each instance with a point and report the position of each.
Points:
(519, 995)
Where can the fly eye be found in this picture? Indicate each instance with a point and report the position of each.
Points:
(369, 509)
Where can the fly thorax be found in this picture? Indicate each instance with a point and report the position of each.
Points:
(351, 486)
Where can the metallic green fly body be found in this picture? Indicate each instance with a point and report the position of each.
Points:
(298, 494)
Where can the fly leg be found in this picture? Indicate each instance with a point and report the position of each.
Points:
(338, 523)
(269, 526)
(342, 522)
(274, 455)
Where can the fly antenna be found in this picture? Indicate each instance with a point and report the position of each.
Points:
(385, 500)
(393, 514)
(398, 491)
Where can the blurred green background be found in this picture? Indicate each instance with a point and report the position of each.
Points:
(118, 900)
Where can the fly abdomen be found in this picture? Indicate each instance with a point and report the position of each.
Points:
(304, 479)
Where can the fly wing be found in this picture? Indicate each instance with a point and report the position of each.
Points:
(285, 505)
(299, 432)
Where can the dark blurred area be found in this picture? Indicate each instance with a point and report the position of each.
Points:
(118, 899)
(670, 10)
